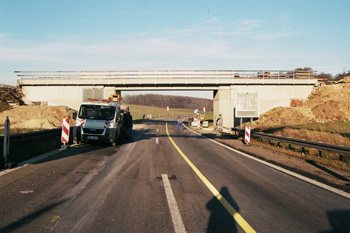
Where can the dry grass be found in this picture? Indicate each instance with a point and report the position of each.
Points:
(316, 136)
(137, 111)
(309, 154)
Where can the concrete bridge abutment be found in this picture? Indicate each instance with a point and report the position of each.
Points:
(227, 100)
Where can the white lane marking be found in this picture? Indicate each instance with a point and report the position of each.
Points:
(179, 226)
(157, 141)
(304, 178)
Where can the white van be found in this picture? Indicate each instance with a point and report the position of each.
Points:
(98, 122)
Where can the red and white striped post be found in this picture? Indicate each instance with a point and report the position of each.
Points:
(6, 139)
(247, 134)
(65, 131)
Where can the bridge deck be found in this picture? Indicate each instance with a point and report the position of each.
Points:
(163, 78)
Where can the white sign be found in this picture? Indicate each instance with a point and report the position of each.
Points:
(247, 105)
(167, 108)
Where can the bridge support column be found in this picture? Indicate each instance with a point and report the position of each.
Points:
(223, 104)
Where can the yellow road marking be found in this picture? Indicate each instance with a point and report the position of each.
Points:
(237, 217)
(55, 219)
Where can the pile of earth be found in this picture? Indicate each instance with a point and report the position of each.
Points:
(9, 95)
(329, 103)
(36, 117)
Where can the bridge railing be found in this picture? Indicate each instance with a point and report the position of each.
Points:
(166, 74)
(160, 77)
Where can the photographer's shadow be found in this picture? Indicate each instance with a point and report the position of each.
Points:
(220, 220)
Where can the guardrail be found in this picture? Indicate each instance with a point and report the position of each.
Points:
(19, 136)
(320, 146)
(24, 146)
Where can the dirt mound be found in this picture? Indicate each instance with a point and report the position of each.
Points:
(36, 117)
(325, 104)
(9, 96)
(284, 116)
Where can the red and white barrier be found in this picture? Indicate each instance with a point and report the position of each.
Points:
(65, 130)
(82, 122)
(247, 134)
(6, 139)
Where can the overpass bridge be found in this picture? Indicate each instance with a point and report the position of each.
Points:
(237, 93)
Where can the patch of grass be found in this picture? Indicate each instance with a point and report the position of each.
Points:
(342, 128)
(337, 133)
(308, 154)
(137, 112)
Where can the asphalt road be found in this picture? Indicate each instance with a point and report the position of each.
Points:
(173, 181)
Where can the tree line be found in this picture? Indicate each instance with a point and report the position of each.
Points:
(162, 101)
(327, 77)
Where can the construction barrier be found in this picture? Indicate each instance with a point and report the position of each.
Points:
(65, 130)
(247, 134)
(6, 139)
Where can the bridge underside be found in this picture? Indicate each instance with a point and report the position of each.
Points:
(226, 98)
(233, 93)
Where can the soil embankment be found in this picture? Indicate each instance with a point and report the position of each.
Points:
(329, 103)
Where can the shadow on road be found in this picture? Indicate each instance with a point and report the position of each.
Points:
(73, 151)
(328, 171)
(220, 220)
(30, 217)
(339, 220)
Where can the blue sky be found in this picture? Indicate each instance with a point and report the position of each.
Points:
(52, 35)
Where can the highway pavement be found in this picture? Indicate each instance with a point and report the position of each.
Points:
(166, 180)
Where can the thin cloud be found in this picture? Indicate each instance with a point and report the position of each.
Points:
(7, 35)
(269, 36)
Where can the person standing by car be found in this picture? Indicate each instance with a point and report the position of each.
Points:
(128, 125)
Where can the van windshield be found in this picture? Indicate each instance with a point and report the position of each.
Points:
(97, 112)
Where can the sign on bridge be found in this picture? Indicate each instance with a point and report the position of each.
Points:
(247, 105)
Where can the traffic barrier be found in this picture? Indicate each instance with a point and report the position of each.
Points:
(65, 131)
(25, 146)
(6, 139)
(247, 134)
(343, 150)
